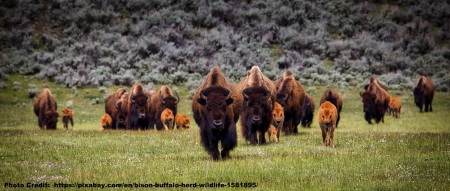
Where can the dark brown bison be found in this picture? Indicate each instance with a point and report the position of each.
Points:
(375, 103)
(307, 111)
(258, 92)
(45, 109)
(424, 93)
(163, 99)
(333, 97)
(214, 106)
(138, 115)
(327, 117)
(111, 107)
(290, 95)
(67, 115)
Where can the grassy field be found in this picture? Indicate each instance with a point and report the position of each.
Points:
(410, 153)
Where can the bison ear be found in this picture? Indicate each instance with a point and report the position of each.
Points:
(201, 101)
(229, 101)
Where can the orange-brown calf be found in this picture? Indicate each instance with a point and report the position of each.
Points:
(273, 131)
(67, 115)
(327, 120)
(395, 106)
(106, 121)
(167, 119)
(182, 121)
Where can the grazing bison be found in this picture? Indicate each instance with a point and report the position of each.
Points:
(375, 103)
(395, 107)
(258, 92)
(67, 115)
(307, 111)
(182, 121)
(138, 116)
(106, 121)
(111, 107)
(45, 109)
(424, 93)
(167, 119)
(290, 96)
(272, 132)
(214, 106)
(333, 97)
(161, 100)
(278, 118)
(327, 120)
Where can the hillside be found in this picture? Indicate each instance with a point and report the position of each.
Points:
(343, 43)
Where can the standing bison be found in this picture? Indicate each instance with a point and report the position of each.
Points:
(111, 107)
(278, 118)
(182, 121)
(307, 111)
(137, 117)
(333, 97)
(395, 107)
(375, 103)
(45, 109)
(163, 99)
(67, 115)
(327, 117)
(424, 93)
(214, 106)
(290, 96)
(167, 119)
(258, 92)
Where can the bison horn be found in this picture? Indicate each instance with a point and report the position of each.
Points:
(203, 96)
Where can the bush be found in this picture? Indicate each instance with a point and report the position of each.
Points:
(32, 91)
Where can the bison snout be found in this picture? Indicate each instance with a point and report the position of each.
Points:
(141, 115)
(217, 124)
(278, 122)
(256, 119)
(327, 124)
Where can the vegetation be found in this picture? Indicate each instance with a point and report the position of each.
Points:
(408, 153)
(80, 43)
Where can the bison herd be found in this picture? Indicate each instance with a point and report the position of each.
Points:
(260, 104)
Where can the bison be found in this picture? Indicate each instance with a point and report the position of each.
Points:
(273, 132)
(278, 118)
(121, 111)
(106, 121)
(67, 115)
(424, 93)
(214, 106)
(307, 111)
(333, 97)
(182, 121)
(45, 107)
(290, 95)
(111, 107)
(327, 117)
(395, 107)
(161, 100)
(167, 119)
(138, 116)
(375, 103)
(258, 92)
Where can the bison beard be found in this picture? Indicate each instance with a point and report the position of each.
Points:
(256, 116)
(218, 124)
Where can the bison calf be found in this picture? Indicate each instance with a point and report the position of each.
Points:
(327, 120)
(395, 107)
(272, 131)
(67, 115)
(182, 121)
(167, 119)
(106, 121)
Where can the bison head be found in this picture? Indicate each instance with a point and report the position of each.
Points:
(419, 96)
(278, 114)
(51, 118)
(285, 90)
(169, 102)
(139, 102)
(122, 110)
(327, 118)
(368, 99)
(215, 100)
(255, 103)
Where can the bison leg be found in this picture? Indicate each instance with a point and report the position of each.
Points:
(332, 138)
(262, 138)
(229, 141)
(324, 136)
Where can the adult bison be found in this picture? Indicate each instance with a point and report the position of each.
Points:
(375, 103)
(163, 99)
(45, 107)
(111, 107)
(258, 92)
(215, 105)
(67, 115)
(307, 111)
(137, 117)
(424, 93)
(333, 97)
(290, 96)
(121, 111)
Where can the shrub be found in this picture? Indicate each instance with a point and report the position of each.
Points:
(17, 86)
(32, 91)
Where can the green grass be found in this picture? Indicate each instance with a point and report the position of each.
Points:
(410, 153)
